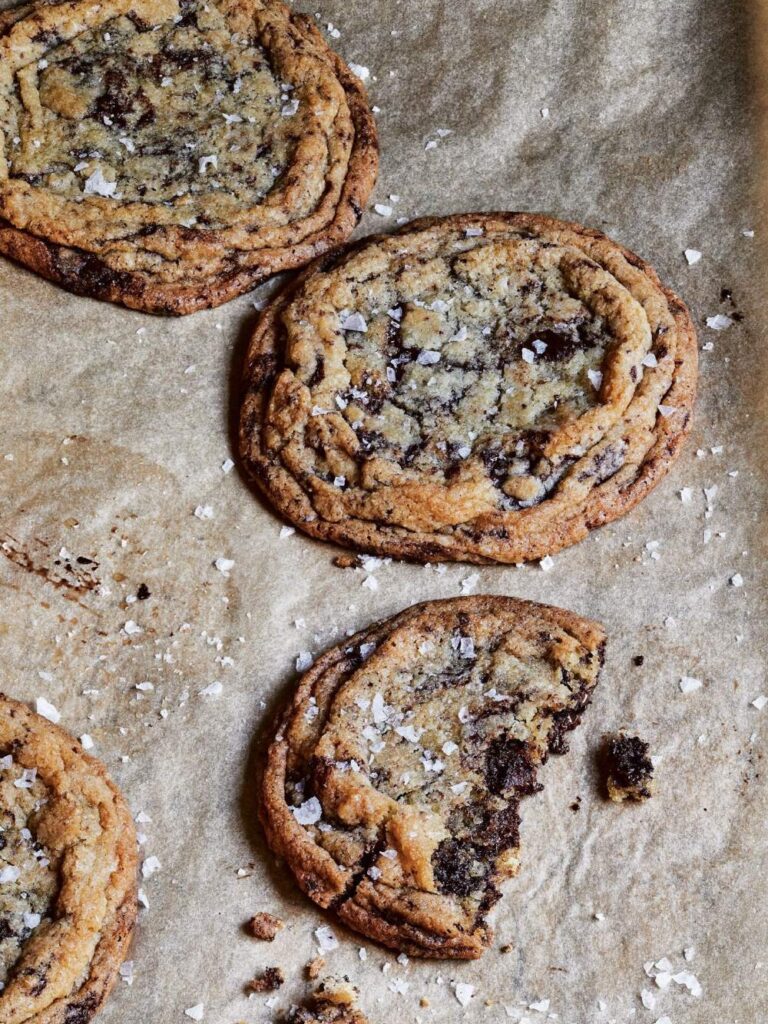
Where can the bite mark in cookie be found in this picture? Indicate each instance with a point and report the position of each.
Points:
(170, 154)
(478, 388)
(394, 779)
(67, 874)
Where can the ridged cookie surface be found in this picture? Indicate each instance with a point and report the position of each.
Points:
(478, 388)
(393, 781)
(67, 874)
(171, 154)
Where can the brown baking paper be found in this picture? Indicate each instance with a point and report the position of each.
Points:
(636, 117)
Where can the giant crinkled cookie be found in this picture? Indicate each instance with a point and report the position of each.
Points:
(67, 874)
(393, 780)
(171, 154)
(479, 388)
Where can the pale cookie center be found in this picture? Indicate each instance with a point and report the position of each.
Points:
(483, 368)
(28, 882)
(172, 114)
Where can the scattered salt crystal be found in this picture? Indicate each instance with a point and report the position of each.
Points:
(428, 357)
(32, 920)
(688, 684)
(47, 710)
(595, 379)
(96, 184)
(308, 813)
(227, 466)
(204, 512)
(150, 867)
(466, 647)
(86, 741)
(689, 981)
(382, 210)
(370, 583)
(541, 1006)
(529, 356)
(547, 563)
(207, 161)
(326, 940)
(759, 703)
(195, 1012)
(409, 732)
(286, 531)
(398, 985)
(131, 628)
(464, 992)
(667, 410)
(469, 583)
(648, 999)
(354, 322)
(304, 661)
(737, 580)
(215, 689)
(663, 979)
(693, 256)
(360, 71)
(719, 322)
(474, 232)
(126, 972)
(650, 360)
(686, 495)
(9, 874)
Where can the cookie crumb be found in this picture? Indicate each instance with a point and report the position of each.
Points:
(264, 926)
(270, 981)
(629, 769)
(339, 991)
(315, 968)
(345, 561)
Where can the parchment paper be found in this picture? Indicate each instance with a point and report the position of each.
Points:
(114, 427)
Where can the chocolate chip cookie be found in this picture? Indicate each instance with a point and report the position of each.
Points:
(393, 780)
(171, 154)
(482, 388)
(67, 874)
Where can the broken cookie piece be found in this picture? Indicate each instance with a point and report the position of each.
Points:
(629, 769)
(332, 1002)
(264, 926)
(270, 981)
(394, 779)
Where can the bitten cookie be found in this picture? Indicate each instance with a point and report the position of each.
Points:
(393, 781)
(171, 154)
(480, 388)
(67, 874)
